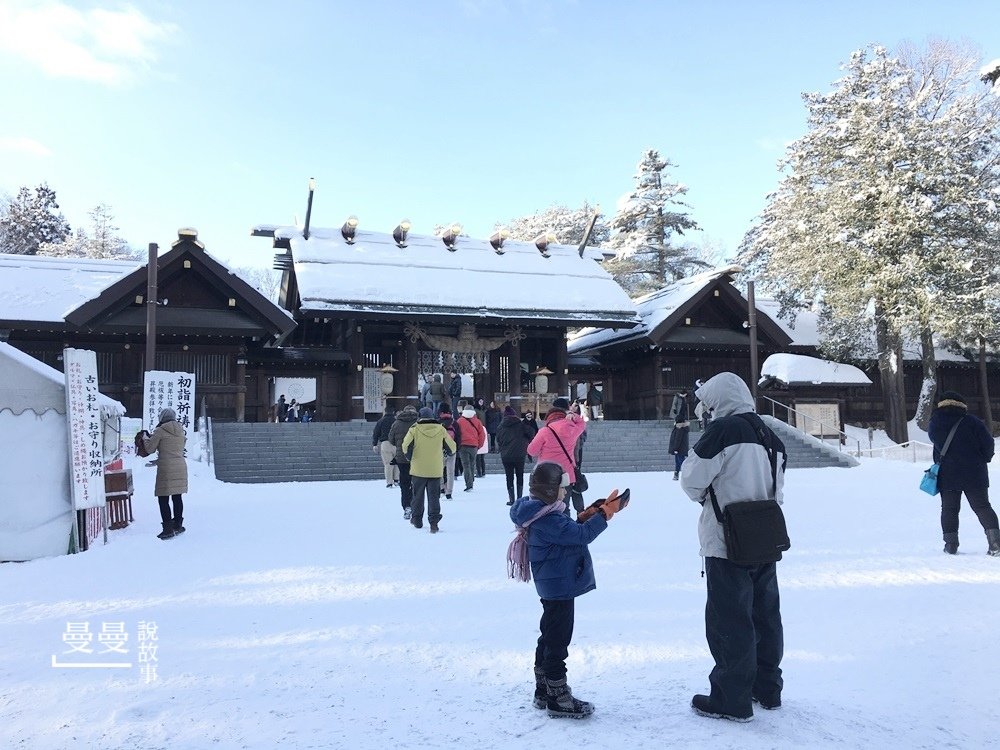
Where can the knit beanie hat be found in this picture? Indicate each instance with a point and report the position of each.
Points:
(508, 411)
(444, 409)
(561, 403)
(545, 481)
(426, 413)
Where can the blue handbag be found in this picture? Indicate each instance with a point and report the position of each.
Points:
(929, 483)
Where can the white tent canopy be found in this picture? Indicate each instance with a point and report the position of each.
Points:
(26, 383)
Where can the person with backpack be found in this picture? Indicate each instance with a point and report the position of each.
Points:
(425, 445)
(962, 468)
(737, 459)
(471, 437)
(385, 449)
(404, 421)
(553, 550)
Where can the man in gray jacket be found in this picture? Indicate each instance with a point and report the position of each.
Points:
(742, 616)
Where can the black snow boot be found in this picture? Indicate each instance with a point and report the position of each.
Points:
(541, 693)
(179, 525)
(951, 542)
(561, 704)
(167, 533)
(702, 705)
(677, 475)
(993, 537)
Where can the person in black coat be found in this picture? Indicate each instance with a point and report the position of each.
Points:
(679, 445)
(512, 442)
(963, 469)
(383, 448)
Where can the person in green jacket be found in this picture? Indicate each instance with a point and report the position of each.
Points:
(426, 444)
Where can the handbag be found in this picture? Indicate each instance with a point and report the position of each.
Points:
(581, 484)
(754, 530)
(929, 482)
(140, 445)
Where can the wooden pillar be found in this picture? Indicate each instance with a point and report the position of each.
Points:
(263, 397)
(356, 410)
(494, 374)
(562, 362)
(241, 386)
(661, 408)
(514, 372)
(410, 370)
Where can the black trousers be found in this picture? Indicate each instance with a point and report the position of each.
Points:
(745, 636)
(556, 629)
(979, 500)
(165, 507)
(405, 484)
(515, 472)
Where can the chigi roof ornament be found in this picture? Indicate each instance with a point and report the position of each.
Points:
(450, 236)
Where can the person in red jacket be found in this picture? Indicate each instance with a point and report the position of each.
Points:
(556, 441)
(470, 436)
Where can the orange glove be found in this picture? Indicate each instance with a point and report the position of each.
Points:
(609, 507)
(591, 509)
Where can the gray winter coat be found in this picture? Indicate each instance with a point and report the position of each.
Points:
(168, 442)
(729, 457)
(404, 421)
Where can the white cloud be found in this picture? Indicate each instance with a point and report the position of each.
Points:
(103, 46)
(24, 146)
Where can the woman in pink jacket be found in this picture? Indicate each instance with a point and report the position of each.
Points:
(563, 427)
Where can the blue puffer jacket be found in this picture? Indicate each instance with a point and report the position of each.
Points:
(964, 465)
(557, 550)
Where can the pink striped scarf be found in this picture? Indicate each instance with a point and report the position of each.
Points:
(518, 566)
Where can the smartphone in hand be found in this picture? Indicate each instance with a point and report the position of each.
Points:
(624, 498)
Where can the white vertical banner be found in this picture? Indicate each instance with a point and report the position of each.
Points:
(168, 390)
(83, 416)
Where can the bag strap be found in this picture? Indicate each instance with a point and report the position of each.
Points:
(772, 457)
(951, 435)
(571, 463)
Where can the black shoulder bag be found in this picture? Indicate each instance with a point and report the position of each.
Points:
(754, 530)
(581, 484)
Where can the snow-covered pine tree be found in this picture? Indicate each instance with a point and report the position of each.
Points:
(644, 229)
(103, 240)
(568, 225)
(30, 220)
(878, 204)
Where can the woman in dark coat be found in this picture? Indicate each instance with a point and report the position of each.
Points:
(492, 424)
(679, 444)
(963, 469)
(512, 442)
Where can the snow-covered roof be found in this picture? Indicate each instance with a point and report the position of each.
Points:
(373, 274)
(652, 308)
(798, 369)
(806, 332)
(26, 383)
(45, 289)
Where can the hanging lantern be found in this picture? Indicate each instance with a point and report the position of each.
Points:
(542, 379)
(385, 380)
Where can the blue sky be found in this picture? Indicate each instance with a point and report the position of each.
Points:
(215, 114)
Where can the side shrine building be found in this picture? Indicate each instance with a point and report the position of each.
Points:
(380, 314)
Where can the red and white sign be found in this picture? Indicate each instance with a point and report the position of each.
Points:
(83, 415)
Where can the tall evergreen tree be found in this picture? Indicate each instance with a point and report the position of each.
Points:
(568, 225)
(879, 209)
(30, 220)
(102, 241)
(645, 228)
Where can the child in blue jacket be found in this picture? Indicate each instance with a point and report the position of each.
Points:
(560, 562)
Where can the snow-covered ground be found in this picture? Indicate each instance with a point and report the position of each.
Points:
(313, 616)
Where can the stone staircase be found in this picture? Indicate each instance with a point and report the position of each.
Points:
(805, 451)
(330, 451)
